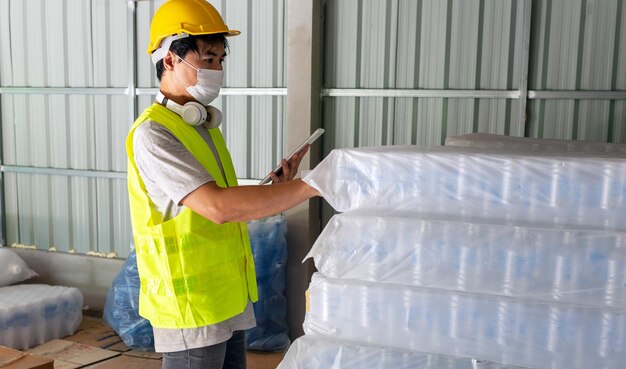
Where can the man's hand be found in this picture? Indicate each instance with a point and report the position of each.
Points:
(289, 169)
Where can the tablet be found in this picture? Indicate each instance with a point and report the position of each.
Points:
(279, 169)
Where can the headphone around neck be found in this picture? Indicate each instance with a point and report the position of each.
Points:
(193, 113)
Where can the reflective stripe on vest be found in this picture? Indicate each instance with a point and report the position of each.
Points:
(193, 272)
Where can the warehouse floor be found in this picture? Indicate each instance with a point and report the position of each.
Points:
(95, 345)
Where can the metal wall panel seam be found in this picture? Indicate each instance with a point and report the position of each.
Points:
(131, 24)
(230, 91)
(357, 75)
(247, 149)
(3, 225)
(64, 90)
(616, 49)
(577, 95)
(579, 66)
(62, 172)
(98, 174)
(479, 94)
(542, 77)
(524, 70)
(446, 72)
(443, 93)
(226, 91)
(416, 78)
(513, 44)
(479, 57)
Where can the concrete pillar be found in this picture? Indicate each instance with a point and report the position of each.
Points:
(304, 84)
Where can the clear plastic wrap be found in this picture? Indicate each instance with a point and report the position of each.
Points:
(121, 309)
(492, 141)
(31, 314)
(506, 330)
(567, 265)
(315, 352)
(551, 189)
(269, 248)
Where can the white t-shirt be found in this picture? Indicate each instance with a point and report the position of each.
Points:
(170, 172)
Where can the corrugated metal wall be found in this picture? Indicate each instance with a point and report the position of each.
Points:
(578, 45)
(69, 88)
(64, 44)
(465, 45)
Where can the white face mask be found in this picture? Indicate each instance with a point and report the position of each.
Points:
(208, 86)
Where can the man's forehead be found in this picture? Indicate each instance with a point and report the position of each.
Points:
(211, 48)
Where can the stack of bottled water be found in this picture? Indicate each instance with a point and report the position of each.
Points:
(485, 255)
(31, 314)
(577, 266)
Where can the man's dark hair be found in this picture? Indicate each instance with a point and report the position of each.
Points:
(185, 45)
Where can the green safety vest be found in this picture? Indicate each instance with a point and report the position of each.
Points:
(193, 272)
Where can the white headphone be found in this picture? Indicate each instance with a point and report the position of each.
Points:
(193, 113)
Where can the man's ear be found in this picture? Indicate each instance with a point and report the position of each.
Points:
(169, 60)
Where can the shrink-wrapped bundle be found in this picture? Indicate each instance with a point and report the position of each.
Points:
(512, 331)
(568, 265)
(566, 189)
(32, 314)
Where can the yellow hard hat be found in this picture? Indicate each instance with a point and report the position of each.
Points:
(183, 18)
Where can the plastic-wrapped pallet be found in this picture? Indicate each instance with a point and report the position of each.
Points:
(315, 352)
(31, 314)
(550, 189)
(567, 265)
(506, 330)
(492, 141)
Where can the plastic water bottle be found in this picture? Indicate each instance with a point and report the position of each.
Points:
(363, 300)
(608, 339)
(455, 320)
(615, 292)
(609, 185)
(465, 180)
(516, 272)
(471, 324)
(556, 182)
(463, 264)
(564, 269)
(505, 320)
(507, 179)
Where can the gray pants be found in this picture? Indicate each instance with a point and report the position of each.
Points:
(226, 355)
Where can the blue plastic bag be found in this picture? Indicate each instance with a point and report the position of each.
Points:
(269, 248)
(121, 309)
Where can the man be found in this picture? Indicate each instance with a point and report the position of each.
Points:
(193, 252)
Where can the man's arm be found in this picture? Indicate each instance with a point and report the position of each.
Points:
(243, 203)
